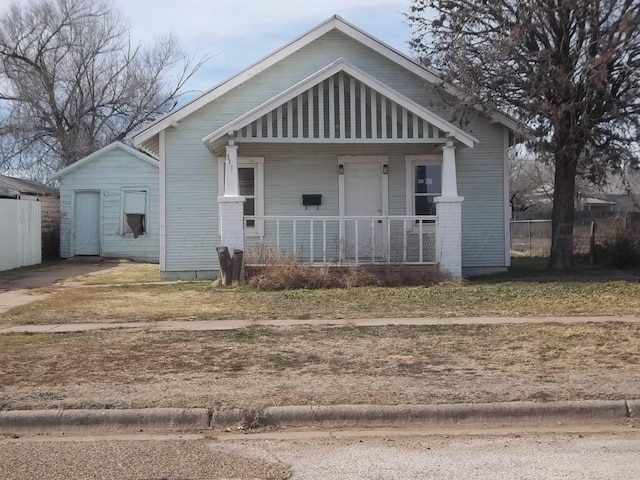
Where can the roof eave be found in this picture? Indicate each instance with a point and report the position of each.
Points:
(334, 22)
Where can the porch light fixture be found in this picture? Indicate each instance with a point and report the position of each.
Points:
(385, 169)
(341, 169)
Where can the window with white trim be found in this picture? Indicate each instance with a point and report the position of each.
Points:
(134, 213)
(424, 184)
(251, 187)
(247, 184)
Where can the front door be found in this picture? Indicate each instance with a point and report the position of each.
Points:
(87, 224)
(363, 196)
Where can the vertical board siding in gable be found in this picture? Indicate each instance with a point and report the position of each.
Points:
(109, 174)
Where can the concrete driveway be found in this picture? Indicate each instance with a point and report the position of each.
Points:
(18, 286)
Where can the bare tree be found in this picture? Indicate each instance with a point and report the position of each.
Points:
(570, 69)
(527, 180)
(72, 82)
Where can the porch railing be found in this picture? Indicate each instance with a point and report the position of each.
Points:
(339, 240)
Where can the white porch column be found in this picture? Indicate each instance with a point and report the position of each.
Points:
(449, 229)
(231, 204)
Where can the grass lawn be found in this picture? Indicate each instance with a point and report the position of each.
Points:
(134, 293)
(303, 365)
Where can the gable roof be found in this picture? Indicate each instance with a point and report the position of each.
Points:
(335, 22)
(136, 153)
(13, 187)
(341, 65)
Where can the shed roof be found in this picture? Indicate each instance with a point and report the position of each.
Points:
(136, 153)
(13, 187)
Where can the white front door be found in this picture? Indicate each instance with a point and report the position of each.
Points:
(87, 224)
(363, 196)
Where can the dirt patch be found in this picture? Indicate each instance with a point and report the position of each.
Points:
(298, 365)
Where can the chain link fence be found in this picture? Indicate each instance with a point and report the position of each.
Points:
(533, 237)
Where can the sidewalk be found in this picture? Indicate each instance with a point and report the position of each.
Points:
(211, 325)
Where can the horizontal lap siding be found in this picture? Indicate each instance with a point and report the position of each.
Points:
(110, 174)
(481, 182)
(191, 199)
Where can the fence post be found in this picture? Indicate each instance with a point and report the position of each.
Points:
(592, 242)
(530, 245)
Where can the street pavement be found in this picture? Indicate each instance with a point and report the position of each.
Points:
(377, 455)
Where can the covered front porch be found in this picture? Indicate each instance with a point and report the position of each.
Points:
(344, 240)
(340, 170)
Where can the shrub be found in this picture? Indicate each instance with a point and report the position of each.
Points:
(623, 251)
(285, 273)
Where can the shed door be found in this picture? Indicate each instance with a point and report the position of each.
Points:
(363, 197)
(87, 224)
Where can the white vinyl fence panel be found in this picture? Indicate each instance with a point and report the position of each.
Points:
(20, 233)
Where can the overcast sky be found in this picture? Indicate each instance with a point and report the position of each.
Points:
(241, 32)
(236, 33)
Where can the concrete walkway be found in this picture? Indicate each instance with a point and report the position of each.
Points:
(210, 325)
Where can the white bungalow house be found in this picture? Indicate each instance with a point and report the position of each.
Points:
(331, 149)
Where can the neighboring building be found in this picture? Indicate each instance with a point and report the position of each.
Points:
(619, 193)
(334, 150)
(109, 205)
(49, 199)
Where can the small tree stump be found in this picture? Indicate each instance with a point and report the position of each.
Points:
(230, 268)
(236, 265)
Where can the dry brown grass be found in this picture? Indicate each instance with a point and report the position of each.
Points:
(198, 301)
(287, 274)
(123, 273)
(260, 366)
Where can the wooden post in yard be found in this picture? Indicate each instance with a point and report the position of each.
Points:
(592, 243)
(230, 268)
(236, 265)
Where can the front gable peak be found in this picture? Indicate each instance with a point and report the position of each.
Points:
(331, 24)
(339, 103)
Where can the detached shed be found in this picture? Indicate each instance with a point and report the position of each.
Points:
(109, 205)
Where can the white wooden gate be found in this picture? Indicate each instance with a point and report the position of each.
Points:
(20, 233)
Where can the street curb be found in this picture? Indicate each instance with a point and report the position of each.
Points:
(511, 412)
(147, 418)
(529, 413)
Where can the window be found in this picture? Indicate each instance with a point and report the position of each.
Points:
(134, 213)
(427, 186)
(247, 179)
(423, 184)
(251, 187)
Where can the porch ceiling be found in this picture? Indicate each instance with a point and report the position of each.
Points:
(339, 104)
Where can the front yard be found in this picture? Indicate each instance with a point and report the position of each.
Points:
(134, 292)
(257, 367)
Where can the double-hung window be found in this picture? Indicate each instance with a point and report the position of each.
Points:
(251, 187)
(423, 184)
(247, 180)
(134, 213)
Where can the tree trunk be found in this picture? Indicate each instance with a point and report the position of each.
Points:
(563, 215)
